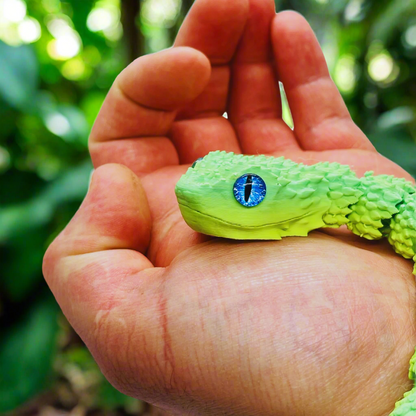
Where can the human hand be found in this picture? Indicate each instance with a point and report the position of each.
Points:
(322, 325)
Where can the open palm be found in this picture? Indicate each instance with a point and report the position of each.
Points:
(204, 326)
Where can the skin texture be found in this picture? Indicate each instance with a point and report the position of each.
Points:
(204, 326)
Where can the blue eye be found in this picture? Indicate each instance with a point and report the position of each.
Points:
(249, 190)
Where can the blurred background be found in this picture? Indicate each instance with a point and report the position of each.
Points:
(57, 62)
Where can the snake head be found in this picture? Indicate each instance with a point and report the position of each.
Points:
(241, 197)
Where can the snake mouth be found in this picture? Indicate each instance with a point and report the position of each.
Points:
(247, 227)
(206, 215)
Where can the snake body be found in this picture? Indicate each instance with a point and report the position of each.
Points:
(266, 198)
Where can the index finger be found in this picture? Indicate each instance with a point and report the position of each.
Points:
(215, 29)
(141, 106)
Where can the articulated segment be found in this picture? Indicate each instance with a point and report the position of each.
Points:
(403, 229)
(380, 200)
(407, 405)
(386, 208)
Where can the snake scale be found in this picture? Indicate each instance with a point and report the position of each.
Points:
(267, 198)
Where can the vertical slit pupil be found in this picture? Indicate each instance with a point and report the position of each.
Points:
(248, 187)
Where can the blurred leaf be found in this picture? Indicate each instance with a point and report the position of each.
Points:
(399, 116)
(17, 219)
(105, 396)
(79, 128)
(18, 75)
(286, 114)
(21, 261)
(277, 4)
(91, 105)
(64, 120)
(50, 73)
(396, 144)
(26, 354)
(109, 398)
(389, 20)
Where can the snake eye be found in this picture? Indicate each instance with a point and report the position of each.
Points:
(249, 190)
(196, 161)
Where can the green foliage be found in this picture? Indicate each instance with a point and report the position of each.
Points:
(51, 90)
(19, 76)
(77, 365)
(26, 353)
(47, 108)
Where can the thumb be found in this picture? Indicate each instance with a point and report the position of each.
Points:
(91, 264)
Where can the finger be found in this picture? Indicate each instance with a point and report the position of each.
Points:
(141, 106)
(255, 105)
(94, 260)
(321, 118)
(196, 134)
(213, 28)
(196, 138)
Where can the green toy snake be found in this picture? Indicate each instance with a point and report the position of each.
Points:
(267, 198)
